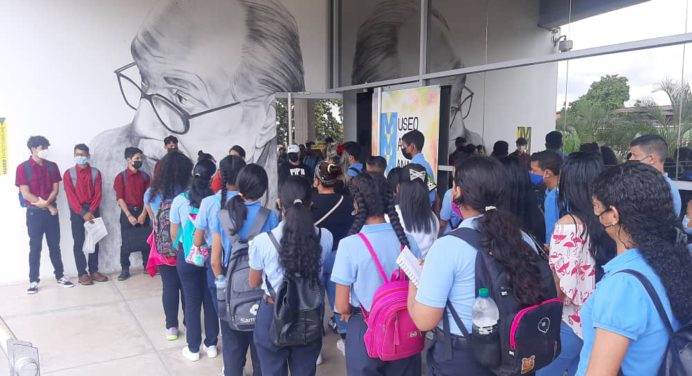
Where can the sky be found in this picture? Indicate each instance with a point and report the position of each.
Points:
(644, 69)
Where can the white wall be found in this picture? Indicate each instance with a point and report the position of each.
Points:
(56, 79)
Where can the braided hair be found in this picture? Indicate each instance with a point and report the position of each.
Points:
(374, 197)
(230, 167)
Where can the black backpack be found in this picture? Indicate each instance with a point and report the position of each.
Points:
(298, 310)
(529, 337)
(242, 301)
(677, 359)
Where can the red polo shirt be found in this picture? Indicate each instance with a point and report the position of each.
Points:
(133, 192)
(42, 178)
(87, 192)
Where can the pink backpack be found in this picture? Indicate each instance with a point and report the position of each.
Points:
(391, 333)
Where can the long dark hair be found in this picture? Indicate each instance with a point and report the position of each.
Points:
(575, 191)
(252, 184)
(172, 176)
(414, 201)
(300, 251)
(201, 176)
(645, 204)
(481, 180)
(521, 200)
(374, 197)
(230, 166)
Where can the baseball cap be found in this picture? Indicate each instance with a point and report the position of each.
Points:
(293, 149)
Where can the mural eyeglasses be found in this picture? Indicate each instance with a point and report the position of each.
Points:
(174, 118)
(463, 106)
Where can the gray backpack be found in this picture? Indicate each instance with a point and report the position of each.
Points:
(240, 308)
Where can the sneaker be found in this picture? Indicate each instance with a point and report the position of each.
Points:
(64, 282)
(33, 288)
(341, 346)
(189, 355)
(319, 359)
(212, 351)
(124, 275)
(172, 335)
(333, 325)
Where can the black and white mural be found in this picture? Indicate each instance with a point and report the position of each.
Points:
(204, 71)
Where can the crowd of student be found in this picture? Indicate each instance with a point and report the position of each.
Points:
(574, 231)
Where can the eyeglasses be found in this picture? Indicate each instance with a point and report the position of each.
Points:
(174, 118)
(464, 104)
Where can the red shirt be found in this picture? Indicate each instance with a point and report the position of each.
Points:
(85, 193)
(216, 182)
(133, 193)
(42, 178)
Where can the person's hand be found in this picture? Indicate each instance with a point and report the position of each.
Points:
(142, 218)
(689, 209)
(53, 210)
(41, 203)
(88, 217)
(132, 219)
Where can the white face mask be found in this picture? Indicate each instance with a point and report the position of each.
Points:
(43, 154)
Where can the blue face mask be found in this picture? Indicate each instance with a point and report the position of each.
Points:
(80, 160)
(536, 179)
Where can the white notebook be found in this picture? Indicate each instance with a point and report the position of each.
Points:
(408, 262)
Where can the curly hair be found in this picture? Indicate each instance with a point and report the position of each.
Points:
(173, 176)
(575, 190)
(229, 167)
(300, 251)
(374, 197)
(481, 180)
(643, 199)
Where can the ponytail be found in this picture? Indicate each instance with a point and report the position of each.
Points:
(300, 251)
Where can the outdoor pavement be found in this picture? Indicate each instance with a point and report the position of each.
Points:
(111, 328)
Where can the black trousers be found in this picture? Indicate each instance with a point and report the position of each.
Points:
(38, 223)
(277, 361)
(133, 238)
(358, 363)
(193, 280)
(78, 235)
(172, 295)
(462, 359)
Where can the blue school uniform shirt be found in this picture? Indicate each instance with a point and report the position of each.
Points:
(208, 214)
(355, 267)
(446, 212)
(450, 274)
(420, 159)
(620, 304)
(552, 213)
(180, 211)
(677, 202)
(252, 208)
(156, 201)
(264, 256)
(357, 166)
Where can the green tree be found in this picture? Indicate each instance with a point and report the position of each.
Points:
(325, 122)
(610, 92)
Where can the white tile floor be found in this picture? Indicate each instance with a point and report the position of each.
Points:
(111, 328)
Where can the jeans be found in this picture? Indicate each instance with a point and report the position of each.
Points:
(358, 363)
(234, 348)
(277, 361)
(78, 235)
(568, 360)
(194, 283)
(330, 288)
(39, 222)
(172, 294)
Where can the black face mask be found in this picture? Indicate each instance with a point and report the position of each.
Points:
(172, 150)
(293, 157)
(137, 165)
(406, 155)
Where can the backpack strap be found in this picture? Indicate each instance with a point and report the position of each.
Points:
(124, 175)
(94, 175)
(28, 171)
(73, 176)
(380, 269)
(357, 171)
(258, 224)
(330, 211)
(278, 248)
(654, 297)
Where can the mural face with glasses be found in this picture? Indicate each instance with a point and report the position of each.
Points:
(204, 71)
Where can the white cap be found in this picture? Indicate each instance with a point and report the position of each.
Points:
(293, 149)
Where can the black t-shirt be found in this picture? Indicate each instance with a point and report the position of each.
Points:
(287, 169)
(340, 221)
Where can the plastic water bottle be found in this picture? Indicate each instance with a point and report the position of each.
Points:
(220, 283)
(486, 337)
